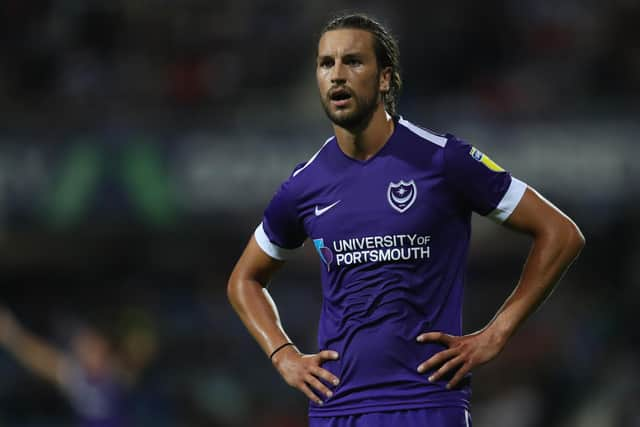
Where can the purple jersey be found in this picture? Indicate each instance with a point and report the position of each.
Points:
(392, 234)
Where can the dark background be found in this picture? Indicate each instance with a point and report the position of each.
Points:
(140, 141)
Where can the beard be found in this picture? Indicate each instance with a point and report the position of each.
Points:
(359, 116)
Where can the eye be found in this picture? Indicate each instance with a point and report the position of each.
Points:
(354, 62)
(325, 63)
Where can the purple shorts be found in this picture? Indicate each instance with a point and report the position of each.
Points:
(430, 417)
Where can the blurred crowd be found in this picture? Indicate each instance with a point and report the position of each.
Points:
(140, 140)
(96, 62)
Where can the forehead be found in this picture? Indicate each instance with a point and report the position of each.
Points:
(345, 40)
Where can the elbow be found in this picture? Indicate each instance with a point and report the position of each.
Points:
(574, 240)
(239, 288)
(232, 289)
(581, 241)
(234, 285)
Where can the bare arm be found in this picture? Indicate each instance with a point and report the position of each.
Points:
(31, 351)
(249, 297)
(557, 241)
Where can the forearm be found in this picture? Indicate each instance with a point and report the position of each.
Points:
(35, 355)
(557, 241)
(258, 312)
(552, 252)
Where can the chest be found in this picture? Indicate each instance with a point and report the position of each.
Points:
(386, 199)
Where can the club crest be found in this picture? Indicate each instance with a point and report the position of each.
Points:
(401, 195)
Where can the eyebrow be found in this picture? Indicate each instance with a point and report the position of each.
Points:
(353, 54)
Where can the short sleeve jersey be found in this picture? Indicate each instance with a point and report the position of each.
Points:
(392, 236)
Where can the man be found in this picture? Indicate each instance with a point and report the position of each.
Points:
(388, 206)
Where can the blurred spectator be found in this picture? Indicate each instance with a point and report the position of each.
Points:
(94, 377)
(87, 374)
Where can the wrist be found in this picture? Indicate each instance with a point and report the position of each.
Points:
(498, 333)
(277, 349)
(278, 356)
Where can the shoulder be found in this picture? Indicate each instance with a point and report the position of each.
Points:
(309, 170)
(305, 173)
(420, 145)
(423, 135)
(313, 162)
(449, 144)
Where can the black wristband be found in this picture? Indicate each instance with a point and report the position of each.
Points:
(278, 349)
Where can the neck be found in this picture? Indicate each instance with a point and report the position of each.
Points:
(364, 143)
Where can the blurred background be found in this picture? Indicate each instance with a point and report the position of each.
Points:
(140, 141)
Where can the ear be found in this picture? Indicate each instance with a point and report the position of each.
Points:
(385, 79)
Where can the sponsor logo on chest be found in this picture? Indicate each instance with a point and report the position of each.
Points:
(379, 248)
(401, 195)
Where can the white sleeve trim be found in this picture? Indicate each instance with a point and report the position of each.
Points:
(509, 202)
(269, 248)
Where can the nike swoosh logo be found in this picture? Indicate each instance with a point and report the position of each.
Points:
(326, 208)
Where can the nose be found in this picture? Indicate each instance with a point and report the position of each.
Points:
(337, 73)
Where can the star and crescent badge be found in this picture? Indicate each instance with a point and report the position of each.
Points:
(401, 195)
